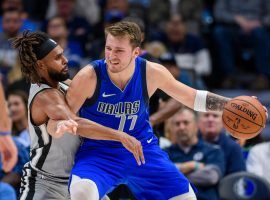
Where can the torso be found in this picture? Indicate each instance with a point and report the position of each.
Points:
(49, 156)
(121, 109)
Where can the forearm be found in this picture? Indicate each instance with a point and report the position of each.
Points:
(5, 122)
(206, 101)
(93, 130)
(167, 111)
(215, 102)
(189, 166)
(208, 176)
(88, 129)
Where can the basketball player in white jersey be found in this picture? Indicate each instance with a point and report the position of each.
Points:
(52, 152)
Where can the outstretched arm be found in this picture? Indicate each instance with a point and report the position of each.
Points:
(52, 104)
(159, 77)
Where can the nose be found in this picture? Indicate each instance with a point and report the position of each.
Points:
(181, 126)
(111, 55)
(65, 60)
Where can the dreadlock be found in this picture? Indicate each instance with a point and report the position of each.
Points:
(27, 44)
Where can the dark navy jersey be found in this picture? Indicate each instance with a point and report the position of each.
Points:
(125, 110)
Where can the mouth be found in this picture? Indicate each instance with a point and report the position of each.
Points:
(65, 70)
(113, 62)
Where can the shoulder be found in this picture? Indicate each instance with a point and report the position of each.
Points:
(86, 72)
(49, 95)
(155, 68)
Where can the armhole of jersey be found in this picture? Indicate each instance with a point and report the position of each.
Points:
(144, 82)
(90, 101)
(30, 105)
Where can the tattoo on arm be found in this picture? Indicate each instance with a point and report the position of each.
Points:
(215, 102)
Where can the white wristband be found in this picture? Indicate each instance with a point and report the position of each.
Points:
(200, 101)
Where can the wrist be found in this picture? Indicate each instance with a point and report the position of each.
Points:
(120, 136)
(5, 133)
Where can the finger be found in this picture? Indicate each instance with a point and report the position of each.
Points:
(7, 162)
(266, 111)
(73, 122)
(136, 155)
(141, 154)
(254, 97)
(74, 129)
(61, 129)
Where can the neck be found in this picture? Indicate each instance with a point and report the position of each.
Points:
(189, 143)
(121, 78)
(210, 138)
(53, 84)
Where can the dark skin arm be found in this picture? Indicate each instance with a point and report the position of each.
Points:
(50, 106)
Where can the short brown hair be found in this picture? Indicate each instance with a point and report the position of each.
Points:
(123, 28)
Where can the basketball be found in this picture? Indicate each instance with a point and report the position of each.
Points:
(244, 117)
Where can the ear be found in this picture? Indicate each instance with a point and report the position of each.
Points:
(40, 64)
(136, 51)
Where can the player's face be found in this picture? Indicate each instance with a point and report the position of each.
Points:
(119, 53)
(17, 108)
(184, 127)
(56, 64)
(210, 124)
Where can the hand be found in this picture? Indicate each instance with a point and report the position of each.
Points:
(266, 111)
(134, 146)
(66, 126)
(9, 153)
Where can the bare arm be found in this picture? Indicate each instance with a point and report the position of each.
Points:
(189, 166)
(53, 107)
(5, 122)
(159, 77)
(8, 150)
(82, 87)
(215, 102)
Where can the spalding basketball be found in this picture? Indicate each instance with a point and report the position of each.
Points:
(244, 117)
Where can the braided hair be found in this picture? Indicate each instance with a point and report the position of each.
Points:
(28, 44)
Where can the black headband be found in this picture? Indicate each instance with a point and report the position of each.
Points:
(45, 48)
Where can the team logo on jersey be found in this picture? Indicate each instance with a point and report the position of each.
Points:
(107, 95)
(126, 108)
(150, 140)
